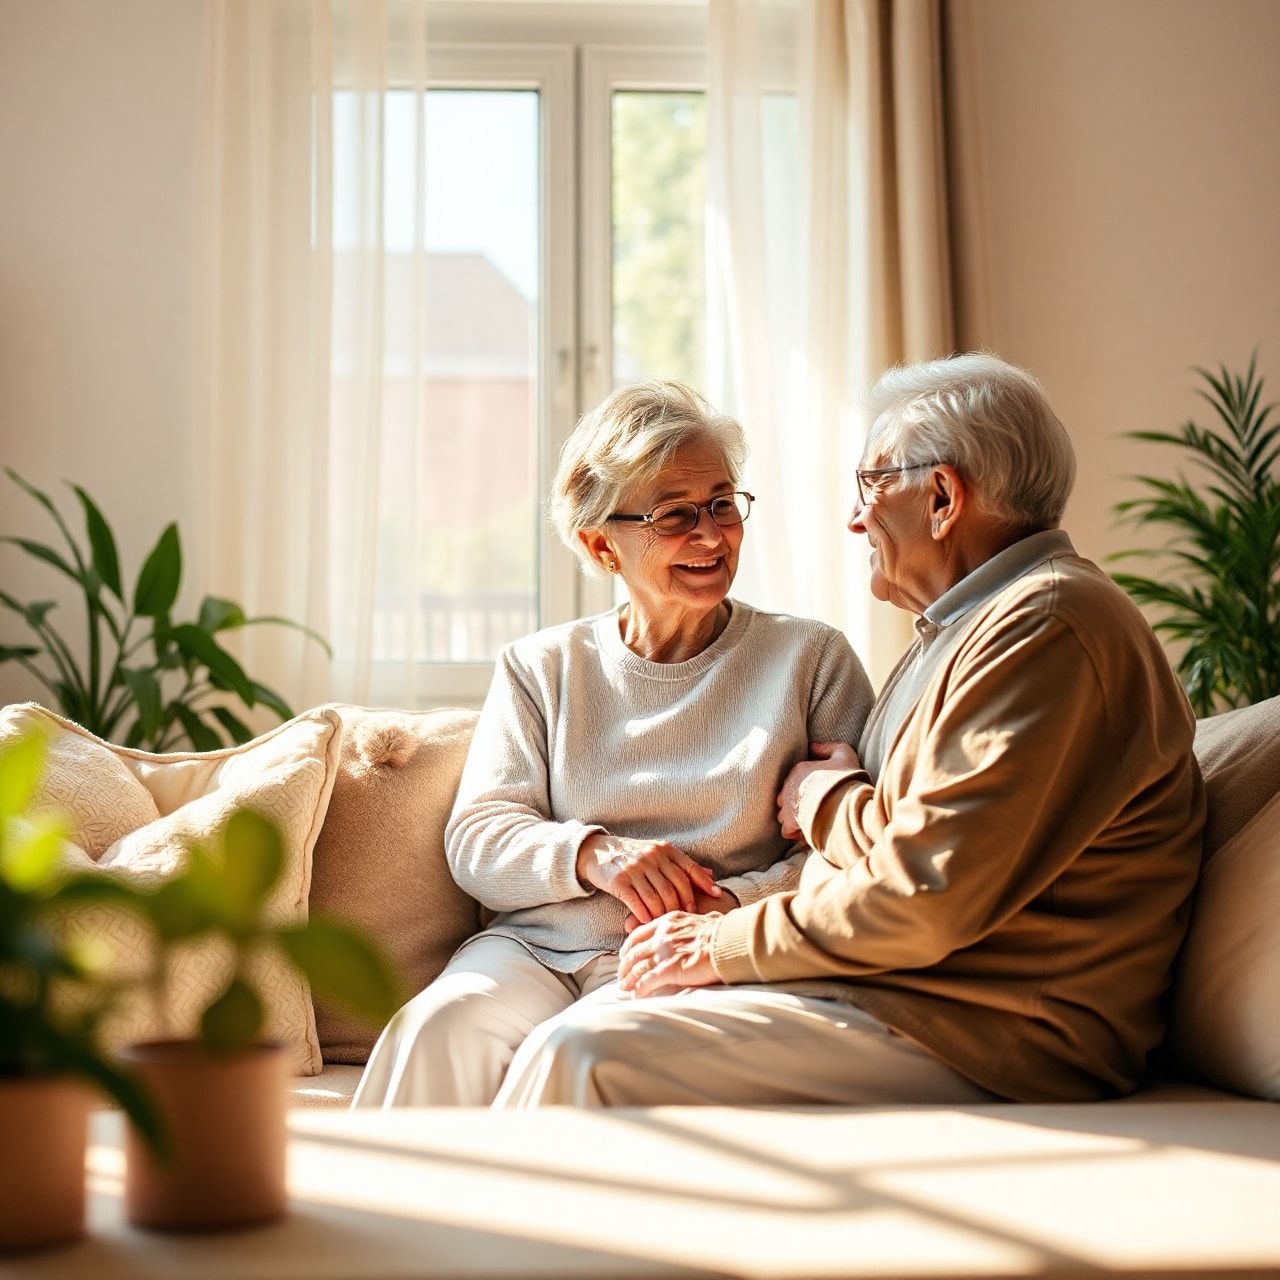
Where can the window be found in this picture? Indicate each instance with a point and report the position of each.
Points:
(560, 255)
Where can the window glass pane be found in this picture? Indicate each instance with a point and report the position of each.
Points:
(658, 194)
(457, 528)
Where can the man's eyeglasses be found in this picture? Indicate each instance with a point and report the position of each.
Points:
(871, 483)
(670, 519)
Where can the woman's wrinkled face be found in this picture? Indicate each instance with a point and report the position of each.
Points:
(691, 571)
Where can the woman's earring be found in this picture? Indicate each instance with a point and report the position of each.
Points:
(613, 566)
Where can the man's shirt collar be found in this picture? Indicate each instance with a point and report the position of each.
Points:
(991, 577)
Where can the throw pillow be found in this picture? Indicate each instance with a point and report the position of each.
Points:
(84, 779)
(1226, 1001)
(379, 862)
(287, 774)
(1239, 755)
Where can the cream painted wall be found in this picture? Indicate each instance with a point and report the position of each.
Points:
(98, 151)
(1119, 175)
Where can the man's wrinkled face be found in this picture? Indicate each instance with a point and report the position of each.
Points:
(895, 519)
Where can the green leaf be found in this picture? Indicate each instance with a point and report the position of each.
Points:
(180, 908)
(252, 859)
(218, 615)
(11, 651)
(106, 560)
(239, 731)
(344, 968)
(38, 494)
(234, 1020)
(201, 646)
(160, 576)
(49, 556)
(21, 764)
(202, 737)
(273, 700)
(100, 888)
(145, 689)
(29, 860)
(79, 1056)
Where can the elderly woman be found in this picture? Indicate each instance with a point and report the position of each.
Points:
(1001, 870)
(624, 766)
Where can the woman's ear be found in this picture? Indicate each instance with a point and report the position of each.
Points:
(599, 548)
(948, 496)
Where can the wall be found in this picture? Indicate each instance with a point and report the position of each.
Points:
(99, 148)
(1118, 185)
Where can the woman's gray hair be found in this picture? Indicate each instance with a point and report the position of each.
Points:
(624, 443)
(990, 420)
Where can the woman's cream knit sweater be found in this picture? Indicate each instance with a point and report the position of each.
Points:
(579, 734)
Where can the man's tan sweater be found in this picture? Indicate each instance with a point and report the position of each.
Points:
(1012, 891)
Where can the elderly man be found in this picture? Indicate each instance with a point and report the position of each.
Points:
(1000, 874)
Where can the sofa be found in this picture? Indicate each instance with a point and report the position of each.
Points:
(364, 795)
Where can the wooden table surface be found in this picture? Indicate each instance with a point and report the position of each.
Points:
(1162, 1189)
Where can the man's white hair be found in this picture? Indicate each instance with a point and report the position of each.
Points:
(990, 420)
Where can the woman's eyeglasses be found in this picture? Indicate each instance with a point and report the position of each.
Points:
(673, 518)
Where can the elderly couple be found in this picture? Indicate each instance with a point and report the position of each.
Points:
(704, 894)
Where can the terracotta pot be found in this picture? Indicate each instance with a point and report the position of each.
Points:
(225, 1120)
(44, 1126)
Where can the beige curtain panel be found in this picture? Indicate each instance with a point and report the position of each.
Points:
(829, 261)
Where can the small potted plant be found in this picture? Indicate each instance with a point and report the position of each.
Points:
(222, 1096)
(50, 1057)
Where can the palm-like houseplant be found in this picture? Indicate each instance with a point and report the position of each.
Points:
(1218, 593)
(148, 681)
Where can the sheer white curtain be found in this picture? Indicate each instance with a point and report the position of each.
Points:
(828, 260)
(312, 480)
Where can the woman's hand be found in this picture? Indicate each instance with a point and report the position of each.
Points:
(703, 905)
(650, 877)
(674, 952)
(833, 757)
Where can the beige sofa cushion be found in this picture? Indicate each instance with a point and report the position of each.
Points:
(379, 862)
(287, 774)
(1239, 755)
(1225, 1023)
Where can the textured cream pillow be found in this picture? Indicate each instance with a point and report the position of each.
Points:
(84, 779)
(288, 775)
(1226, 999)
(379, 862)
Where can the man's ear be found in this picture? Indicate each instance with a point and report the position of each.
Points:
(599, 548)
(948, 496)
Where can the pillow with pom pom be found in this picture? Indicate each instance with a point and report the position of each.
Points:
(379, 861)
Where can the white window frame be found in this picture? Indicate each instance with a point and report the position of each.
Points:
(574, 56)
(604, 69)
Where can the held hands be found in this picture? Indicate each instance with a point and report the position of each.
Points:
(650, 877)
(672, 952)
(829, 757)
(704, 904)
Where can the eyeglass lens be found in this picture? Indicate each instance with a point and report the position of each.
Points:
(680, 517)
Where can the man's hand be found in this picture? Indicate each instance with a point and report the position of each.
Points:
(650, 877)
(671, 952)
(703, 905)
(828, 757)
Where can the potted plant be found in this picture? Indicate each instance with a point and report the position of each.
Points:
(148, 681)
(222, 1096)
(50, 1059)
(1218, 592)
